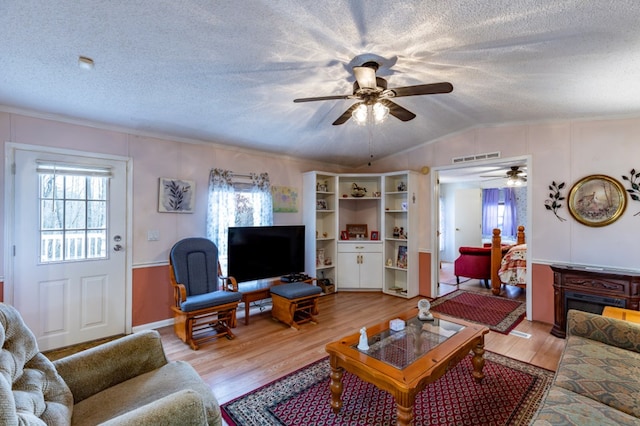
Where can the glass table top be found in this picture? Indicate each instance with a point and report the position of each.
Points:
(402, 348)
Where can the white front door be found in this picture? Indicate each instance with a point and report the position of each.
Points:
(70, 242)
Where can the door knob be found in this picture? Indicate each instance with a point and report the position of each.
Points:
(118, 247)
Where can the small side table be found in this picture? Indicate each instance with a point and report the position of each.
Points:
(621, 313)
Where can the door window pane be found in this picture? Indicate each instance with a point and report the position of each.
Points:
(75, 214)
(73, 217)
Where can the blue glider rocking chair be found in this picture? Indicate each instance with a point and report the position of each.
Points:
(204, 301)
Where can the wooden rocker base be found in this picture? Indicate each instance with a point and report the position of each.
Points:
(197, 327)
(295, 312)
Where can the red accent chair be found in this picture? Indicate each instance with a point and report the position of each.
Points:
(474, 262)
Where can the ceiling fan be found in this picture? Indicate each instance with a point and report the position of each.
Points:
(370, 90)
(515, 176)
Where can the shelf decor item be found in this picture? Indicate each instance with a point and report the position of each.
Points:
(322, 205)
(375, 236)
(402, 257)
(358, 191)
(357, 231)
(597, 200)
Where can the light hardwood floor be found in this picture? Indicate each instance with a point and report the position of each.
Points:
(265, 349)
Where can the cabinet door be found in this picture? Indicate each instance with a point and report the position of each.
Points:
(371, 270)
(348, 270)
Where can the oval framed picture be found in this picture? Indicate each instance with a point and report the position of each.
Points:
(597, 200)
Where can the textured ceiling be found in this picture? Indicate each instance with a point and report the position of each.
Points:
(227, 71)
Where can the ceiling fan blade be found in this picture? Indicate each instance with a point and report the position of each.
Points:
(322, 98)
(397, 111)
(346, 115)
(423, 89)
(366, 77)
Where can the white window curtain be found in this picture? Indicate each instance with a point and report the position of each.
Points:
(236, 200)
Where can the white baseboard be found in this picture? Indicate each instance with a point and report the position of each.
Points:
(153, 325)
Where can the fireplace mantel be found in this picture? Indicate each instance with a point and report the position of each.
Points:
(591, 289)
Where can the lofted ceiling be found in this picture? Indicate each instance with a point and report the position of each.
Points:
(227, 72)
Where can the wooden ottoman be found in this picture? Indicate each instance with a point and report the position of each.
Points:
(295, 303)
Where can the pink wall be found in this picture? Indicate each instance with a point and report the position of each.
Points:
(152, 295)
(561, 151)
(542, 295)
(424, 274)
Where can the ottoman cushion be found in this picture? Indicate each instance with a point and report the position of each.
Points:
(295, 290)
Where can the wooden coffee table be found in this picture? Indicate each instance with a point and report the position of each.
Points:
(404, 362)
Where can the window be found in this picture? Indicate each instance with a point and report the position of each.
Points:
(499, 211)
(73, 213)
(236, 200)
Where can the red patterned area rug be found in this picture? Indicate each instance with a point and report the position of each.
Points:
(509, 394)
(497, 313)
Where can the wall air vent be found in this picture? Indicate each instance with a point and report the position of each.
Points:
(478, 157)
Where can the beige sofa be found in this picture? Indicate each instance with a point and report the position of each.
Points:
(124, 382)
(598, 378)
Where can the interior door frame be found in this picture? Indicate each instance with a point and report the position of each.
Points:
(9, 218)
(435, 217)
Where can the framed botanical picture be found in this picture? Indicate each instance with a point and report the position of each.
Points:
(176, 195)
(597, 200)
(375, 235)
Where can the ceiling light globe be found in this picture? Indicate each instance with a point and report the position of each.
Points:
(360, 114)
(380, 112)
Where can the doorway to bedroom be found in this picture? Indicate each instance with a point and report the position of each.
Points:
(459, 211)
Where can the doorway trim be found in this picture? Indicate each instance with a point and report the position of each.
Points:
(435, 217)
(9, 219)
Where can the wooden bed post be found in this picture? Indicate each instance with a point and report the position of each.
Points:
(520, 235)
(496, 258)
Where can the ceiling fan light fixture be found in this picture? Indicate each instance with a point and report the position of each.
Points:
(360, 114)
(380, 112)
(515, 181)
(363, 113)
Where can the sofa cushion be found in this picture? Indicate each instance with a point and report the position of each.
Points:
(184, 407)
(31, 391)
(563, 407)
(142, 390)
(602, 372)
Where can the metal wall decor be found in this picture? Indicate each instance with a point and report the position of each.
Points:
(597, 200)
(555, 196)
(634, 185)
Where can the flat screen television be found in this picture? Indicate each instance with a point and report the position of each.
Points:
(258, 252)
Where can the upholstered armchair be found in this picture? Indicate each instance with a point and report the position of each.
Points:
(473, 262)
(205, 302)
(127, 381)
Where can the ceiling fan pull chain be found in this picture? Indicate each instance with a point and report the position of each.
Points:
(370, 131)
